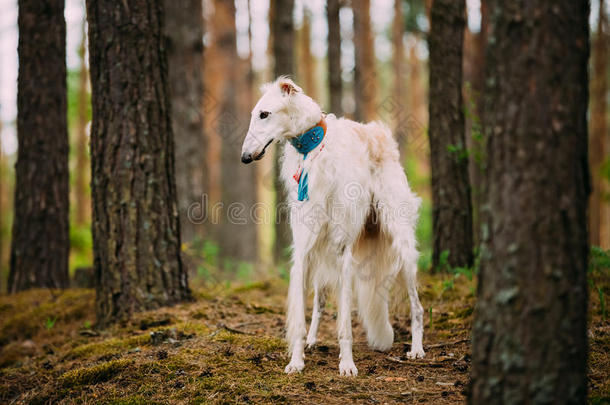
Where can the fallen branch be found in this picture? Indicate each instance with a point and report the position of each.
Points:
(222, 326)
(420, 362)
(445, 344)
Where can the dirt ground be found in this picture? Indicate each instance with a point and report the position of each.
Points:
(227, 347)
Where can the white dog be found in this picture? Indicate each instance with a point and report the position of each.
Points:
(353, 219)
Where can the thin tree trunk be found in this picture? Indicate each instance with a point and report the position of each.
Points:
(599, 128)
(282, 32)
(365, 77)
(212, 83)
(399, 109)
(83, 203)
(417, 99)
(136, 229)
(307, 60)
(452, 210)
(40, 244)
(474, 138)
(184, 33)
(530, 337)
(335, 82)
(236, 233)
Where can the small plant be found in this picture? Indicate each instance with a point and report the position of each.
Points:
(458, 151)
(87, 325)
(448, 285)
(49, 323)
(602, 302)
(464, 271)
(443, 261)
(599, 267)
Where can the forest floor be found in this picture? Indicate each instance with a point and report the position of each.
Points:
(226, 347)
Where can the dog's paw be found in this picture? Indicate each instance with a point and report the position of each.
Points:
(294, 367)
(416, 354)
(348, 368)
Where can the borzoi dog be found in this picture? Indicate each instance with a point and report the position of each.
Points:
(352, 215)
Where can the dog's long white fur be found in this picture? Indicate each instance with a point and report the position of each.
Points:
(337, 247)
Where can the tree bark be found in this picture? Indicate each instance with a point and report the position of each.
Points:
(40, 243)
(184, 35)
(452, 210)
(136, 229)
(282, 32)
(599, 128)
(399, 109)
(307, 61)
(529, 337)
(237, 234)
(83, 203)
(474, 80)
(335, 82)
(365, 78)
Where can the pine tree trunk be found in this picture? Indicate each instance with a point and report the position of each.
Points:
(474, 59)
(597, 145)
(452, 210)
(282, 32)
(237, 234)
(40, 244)
(529, 338)
(184, 33)
(399, 109)
(136, 229)
(307, 63)
(83, 204)
(365, 78)
(335, 82)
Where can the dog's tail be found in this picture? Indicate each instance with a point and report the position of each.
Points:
(373, 313)
(373, 292)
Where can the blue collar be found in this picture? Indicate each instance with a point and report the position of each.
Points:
(310, 139)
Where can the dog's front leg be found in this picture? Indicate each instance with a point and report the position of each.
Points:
(295, 318)
(344, 317)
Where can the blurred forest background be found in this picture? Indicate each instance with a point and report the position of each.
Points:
(390, 49)
(495, 115)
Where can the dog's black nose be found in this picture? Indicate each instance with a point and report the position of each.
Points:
(246, 158)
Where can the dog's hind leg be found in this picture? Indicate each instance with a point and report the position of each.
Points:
(409, 272)
(319, 302)
(344, 316)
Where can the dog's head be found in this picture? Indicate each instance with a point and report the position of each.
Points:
(278, 115)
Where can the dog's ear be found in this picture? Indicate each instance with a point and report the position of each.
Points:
(288, 87)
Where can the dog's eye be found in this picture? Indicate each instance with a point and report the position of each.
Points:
(264, 114)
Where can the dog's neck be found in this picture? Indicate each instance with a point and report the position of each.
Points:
(304, 114)
(310, 139)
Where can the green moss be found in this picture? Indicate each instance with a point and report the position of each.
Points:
(95, 374)
(25, 314)
(464, 313)
(190, 327)
(260, 285)
(134, 400)
(267, 343)
(110, 346)
(260, 343)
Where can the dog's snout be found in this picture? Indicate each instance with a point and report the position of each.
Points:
(246, 157)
